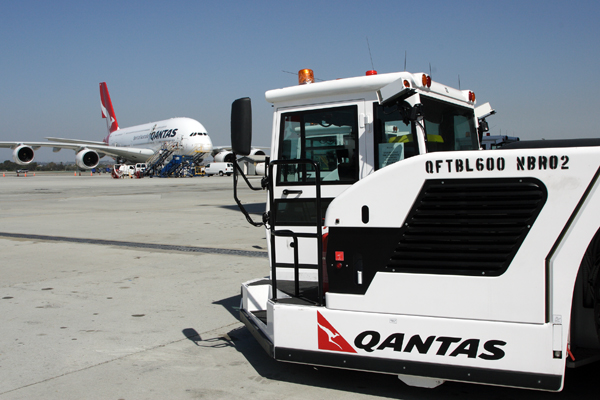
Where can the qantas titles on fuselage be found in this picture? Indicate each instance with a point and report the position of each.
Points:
(167, 133)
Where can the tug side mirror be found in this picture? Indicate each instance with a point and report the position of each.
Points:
(241, 126)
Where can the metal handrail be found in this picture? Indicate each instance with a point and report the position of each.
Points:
(296, 235)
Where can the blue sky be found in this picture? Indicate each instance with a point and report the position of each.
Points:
(536, 62)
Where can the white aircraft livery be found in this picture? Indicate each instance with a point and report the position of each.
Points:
(135, 144)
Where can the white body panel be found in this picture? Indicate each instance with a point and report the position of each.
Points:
(533, 341)
(467, 296)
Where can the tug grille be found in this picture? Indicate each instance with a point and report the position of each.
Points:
(467, 226)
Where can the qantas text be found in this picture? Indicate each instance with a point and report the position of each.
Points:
(169, 133)
(371, 341)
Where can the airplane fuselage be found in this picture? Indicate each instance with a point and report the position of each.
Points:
(188, 133)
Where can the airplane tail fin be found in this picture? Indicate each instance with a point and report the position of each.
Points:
(107, 111)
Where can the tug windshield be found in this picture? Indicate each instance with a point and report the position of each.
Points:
(449, 127)
(394, 139)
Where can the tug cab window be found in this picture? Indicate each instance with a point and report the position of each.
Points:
(326, 136)
(394, 140)
(449, 127)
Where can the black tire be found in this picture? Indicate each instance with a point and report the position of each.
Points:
(591, 280)
(596, 291)
(220, 173)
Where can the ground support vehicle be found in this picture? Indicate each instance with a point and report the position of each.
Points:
(497, 141)
(219, 168)
(397, 246)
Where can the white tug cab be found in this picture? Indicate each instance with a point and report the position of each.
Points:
(397, 246)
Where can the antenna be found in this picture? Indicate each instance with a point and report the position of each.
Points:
(370, 56)
(404, 60)
(458, 81)
(430, 70)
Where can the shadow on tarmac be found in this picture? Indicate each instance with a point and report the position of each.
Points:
(252, 208)
(193, 335)
(231, 304)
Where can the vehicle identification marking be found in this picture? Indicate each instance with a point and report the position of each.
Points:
(480, 164)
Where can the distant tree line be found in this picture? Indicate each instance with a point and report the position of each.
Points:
(51, 166)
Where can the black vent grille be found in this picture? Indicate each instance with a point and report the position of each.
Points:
(467, 226)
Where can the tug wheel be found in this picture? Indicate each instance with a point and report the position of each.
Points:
(590, 275)
(591, 279)
(596, 289)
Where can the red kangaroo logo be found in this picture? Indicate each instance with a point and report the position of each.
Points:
(329, 338)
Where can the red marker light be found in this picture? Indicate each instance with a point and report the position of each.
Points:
(426, 80)
(371, 72)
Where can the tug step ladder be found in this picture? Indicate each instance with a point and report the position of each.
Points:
(303, 291)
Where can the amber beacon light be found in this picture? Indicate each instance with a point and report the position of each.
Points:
(306, 76)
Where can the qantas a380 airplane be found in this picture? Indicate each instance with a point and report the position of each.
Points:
(135, 144)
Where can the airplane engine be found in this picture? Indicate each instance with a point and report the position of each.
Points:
(257, 152)
(87, 159)
(227, 156)
(224, 156)
(260, 169)
(23, 155)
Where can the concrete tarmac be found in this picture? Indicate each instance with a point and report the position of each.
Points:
(128, 289)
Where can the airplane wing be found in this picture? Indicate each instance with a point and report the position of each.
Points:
(23, 151)
(130, 153)
(63, 140)
(13, 145)
(218, 149)
(77, 145)
(225, 154)
(257, 159)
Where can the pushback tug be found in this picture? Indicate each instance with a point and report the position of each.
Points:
(397, 246)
